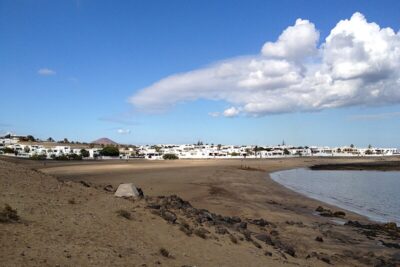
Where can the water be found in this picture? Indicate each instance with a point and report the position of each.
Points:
(374, 194)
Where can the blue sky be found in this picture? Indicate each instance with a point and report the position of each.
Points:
(69, 68)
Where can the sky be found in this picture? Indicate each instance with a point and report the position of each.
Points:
(231, 72)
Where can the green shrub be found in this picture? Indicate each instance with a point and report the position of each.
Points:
(61, 157)
(8, 150)
(38, 157)
(170, 156)
(74, 156)
(110, 151)
(85, 153)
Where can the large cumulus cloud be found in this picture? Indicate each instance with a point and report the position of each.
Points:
(357, 64)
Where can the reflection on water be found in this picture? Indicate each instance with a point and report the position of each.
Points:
(375, 194)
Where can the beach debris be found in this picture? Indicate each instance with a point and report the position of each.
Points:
(127, 190)
(9, 215)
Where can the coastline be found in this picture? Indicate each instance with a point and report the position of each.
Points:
(221, 187)
(337, 201)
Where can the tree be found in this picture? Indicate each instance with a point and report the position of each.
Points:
(369, 146)
(31, 138)
(110, 151)
(8, 150)
(65, 141)
(27, 149)
(50, 139)
(352, 146)
(255, 150)
(170, 156)
(85, 153)
(286, 151)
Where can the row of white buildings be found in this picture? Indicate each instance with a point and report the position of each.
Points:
(249, 151)
(13, 147)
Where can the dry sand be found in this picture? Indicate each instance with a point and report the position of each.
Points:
(53, 231)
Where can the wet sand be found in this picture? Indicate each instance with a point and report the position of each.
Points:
(227, 187)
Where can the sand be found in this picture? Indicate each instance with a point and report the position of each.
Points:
(53, 231)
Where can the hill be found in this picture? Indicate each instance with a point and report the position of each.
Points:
(104, 141)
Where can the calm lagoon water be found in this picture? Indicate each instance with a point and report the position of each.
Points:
(374, 194)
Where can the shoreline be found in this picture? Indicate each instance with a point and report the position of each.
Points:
(370, 216)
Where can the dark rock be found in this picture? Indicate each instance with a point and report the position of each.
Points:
(288, 249)
(154, 206)
(236, 219)
(267, 253)
(221, 230)
(319, 239)
(141, 194)
(390, 245)
(265, 238)
(325, 259)
(247, 234)
(391, 226)
(274, 233)
(108, 188)
(326, 213)
(169, 216)
(259, 222)
(242, 225)
(320, 209)
(85, 183)
(186, 230)
(256, 244)
(201, 232)
(339, 214)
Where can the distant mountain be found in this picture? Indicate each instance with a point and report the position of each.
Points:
(104, 141)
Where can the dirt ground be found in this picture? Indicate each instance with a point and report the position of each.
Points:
(65, 223)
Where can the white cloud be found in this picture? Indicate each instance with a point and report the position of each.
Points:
(357, 64)
(296, 42)
(231, 112)
(46, 72)
(123, 131)
(214, 114)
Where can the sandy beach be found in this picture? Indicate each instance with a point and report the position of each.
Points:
(52, 231)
